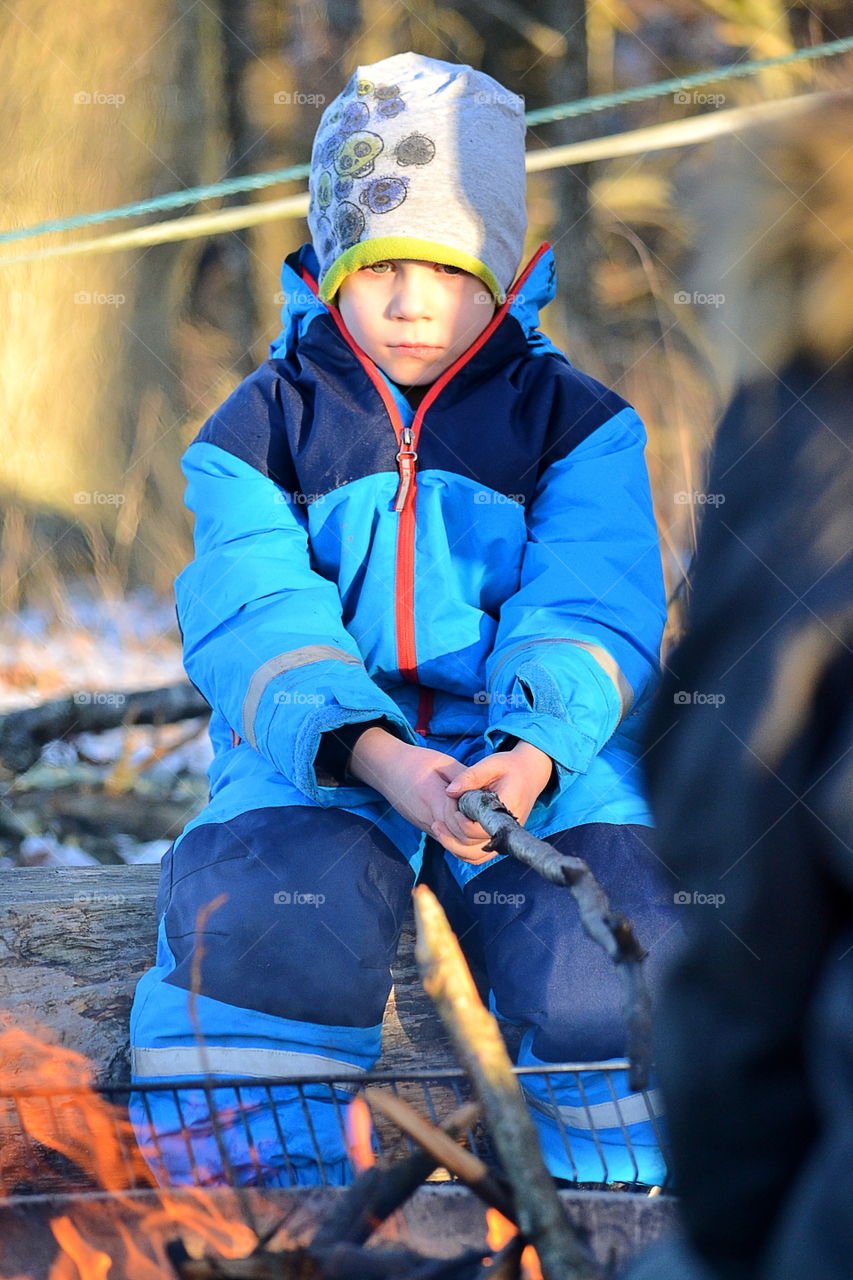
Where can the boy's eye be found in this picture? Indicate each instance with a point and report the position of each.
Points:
(381, 268)
(445, 266)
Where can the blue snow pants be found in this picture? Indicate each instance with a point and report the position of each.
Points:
(277, 930)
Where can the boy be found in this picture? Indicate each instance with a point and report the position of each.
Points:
(426, 562)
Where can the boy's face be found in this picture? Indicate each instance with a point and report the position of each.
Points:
(414, 318)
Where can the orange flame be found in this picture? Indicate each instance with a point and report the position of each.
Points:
(499, 1231)
(78, 1259)
(78, 1124)
(359, 1134)
(70, 1118)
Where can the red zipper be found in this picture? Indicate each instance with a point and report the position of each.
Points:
(407, 440)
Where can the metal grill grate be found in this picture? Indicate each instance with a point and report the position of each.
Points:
(217, 1131)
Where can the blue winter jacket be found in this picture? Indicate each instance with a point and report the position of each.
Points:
(484, 567)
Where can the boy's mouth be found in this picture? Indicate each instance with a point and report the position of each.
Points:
(413, 346)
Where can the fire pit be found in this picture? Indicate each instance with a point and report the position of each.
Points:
(78, 1168)
(200, 1178)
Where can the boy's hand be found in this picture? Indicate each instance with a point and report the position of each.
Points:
(518, 777)
(414, 780)
(423, 785)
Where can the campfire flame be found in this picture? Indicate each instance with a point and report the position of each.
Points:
(359, 1135)
(78, 1257)
(77, 1124)
(499, 1231)
(99, 1141)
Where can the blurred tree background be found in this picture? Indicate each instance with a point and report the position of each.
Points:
(111, 361)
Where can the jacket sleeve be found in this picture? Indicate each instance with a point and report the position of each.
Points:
(263, 635)
(578, 641)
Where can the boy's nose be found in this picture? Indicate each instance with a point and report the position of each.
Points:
(410, 298)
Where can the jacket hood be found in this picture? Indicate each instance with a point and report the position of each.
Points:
(301, 304)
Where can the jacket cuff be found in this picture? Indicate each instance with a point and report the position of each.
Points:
(331, 763)
(569, 718)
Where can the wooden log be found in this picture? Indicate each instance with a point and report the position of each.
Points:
(23, 733)
(75, 940)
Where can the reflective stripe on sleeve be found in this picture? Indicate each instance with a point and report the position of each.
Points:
(604, 659)
(634, 1108)
(234, 1060)
(285, 662)
(611, 667)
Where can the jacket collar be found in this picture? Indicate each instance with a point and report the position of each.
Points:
(301, 305)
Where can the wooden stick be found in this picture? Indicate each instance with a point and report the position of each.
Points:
(379, 1191)
(612, 931)
(478, 1042)
(457, 1160)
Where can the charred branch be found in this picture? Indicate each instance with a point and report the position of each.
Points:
(612, 931)
(381, 1190)
(463, 1164)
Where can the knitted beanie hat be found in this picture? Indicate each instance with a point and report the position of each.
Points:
(420, 159)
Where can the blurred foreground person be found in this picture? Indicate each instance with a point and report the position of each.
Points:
(751, 765)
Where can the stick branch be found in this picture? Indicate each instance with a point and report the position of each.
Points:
(478, 1042)
(612, 931)
(457, 1160)
(379, 1191)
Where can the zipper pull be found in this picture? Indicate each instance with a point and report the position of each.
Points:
(406, 459)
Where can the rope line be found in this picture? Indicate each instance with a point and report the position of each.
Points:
(643, 92)
(546, 115)
(675, 133)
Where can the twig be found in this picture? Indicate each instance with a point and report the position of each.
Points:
(478, 1042)
(464, 1164)
(612, 931)
(379, 1191)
